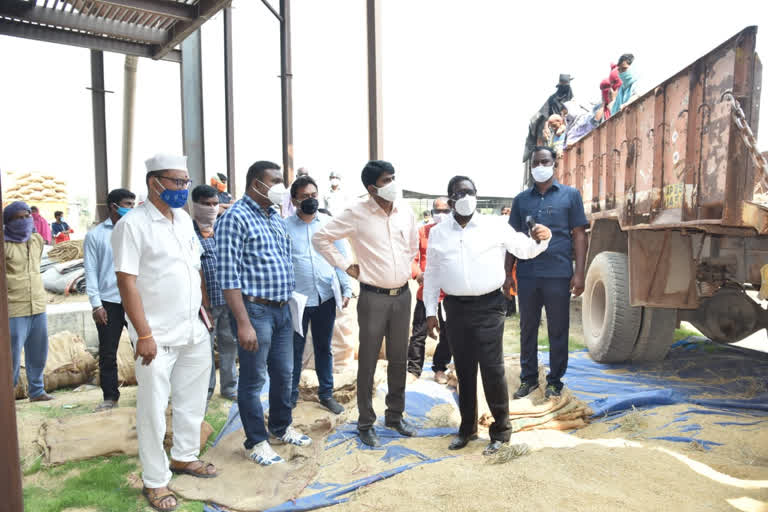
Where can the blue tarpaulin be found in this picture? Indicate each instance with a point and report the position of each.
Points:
(713, 379)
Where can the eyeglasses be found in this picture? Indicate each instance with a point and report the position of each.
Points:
(436, 212)
(180, 183)
(463, 193)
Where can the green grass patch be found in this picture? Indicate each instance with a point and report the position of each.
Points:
(100, 483)
(683, 333)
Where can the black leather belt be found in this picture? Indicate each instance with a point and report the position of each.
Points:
(384, 291)
(265, 302)
(473, 298)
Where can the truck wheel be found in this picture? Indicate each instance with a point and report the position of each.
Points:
(656, 332)
(610, 323)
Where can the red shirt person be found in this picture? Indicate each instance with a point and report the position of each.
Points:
(417, 344)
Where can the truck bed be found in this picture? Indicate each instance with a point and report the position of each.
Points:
(673, 158)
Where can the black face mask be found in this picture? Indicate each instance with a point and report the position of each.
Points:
(309, 205)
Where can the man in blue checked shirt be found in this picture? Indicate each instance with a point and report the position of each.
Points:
(319, 281)
(205, 209)
(256, 276)
(101, 287)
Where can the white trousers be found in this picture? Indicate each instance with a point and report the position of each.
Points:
(180, 372)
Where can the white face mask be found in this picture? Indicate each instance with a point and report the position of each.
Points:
(205, 215)
(389, 192)
(542, 173)
(335, 182)
(441, 217)
(466, 205)
(276, 193)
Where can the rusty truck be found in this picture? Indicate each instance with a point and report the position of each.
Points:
(674, 233)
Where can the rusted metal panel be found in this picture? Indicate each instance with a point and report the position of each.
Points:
(610, 158)
(598, 184)
(658, 134)
(643, 143)
(740, 172)
(693, 142)
(590, 187)
(630, 140)
(619, 155)
(661, 270)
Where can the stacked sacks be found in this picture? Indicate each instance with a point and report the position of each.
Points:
(37, 188)
(533, 412)
(68, 365)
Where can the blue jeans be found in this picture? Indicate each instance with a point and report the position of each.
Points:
(227, 344)
(31, 334)
(274, 332)
(554, 294)
(322, 318)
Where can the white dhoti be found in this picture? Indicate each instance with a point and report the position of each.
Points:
(181, 372)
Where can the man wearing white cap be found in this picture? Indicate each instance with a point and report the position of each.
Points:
(157, 261)
(335, 199)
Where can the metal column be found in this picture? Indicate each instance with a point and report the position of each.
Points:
(129, 98)
(99, 134)
(192, 106)
(375, 127)
(10, 469)
(286, 93)
(229, 112)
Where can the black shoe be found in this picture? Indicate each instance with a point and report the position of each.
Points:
(492, 447)
(402, 427)
(460, 441)
(332, 405)
(525, 389)
(369, 437)
(551, 391)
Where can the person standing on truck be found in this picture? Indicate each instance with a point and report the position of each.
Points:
(549, 279)
(628, 89)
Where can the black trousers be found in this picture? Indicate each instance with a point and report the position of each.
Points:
(475, 333)
(109, 340)
(416, 346)
(553, 294)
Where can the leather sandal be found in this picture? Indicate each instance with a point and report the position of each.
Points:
(156, 497)
(196, 468)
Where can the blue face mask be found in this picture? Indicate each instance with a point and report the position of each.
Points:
(122, 210)
(173, 198)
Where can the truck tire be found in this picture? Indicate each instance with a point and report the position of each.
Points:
(657, 329)
(610, 324)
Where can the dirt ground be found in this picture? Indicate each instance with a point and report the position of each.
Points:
(591, 470)
(607, 466)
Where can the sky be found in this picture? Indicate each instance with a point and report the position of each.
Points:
(460, 81)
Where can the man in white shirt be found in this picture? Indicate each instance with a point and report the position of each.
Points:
(335, 200)
(157, 261)
(465, 258)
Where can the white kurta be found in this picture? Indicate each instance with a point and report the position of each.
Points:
(469, 261)
(165, 257)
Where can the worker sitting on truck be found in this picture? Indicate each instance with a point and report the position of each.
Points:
(548, 279)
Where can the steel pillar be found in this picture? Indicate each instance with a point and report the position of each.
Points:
(286, 93)
(99, 134)
(129, 98)
(375, 126)
(192, 106)
(10, 469)
(229, 111)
